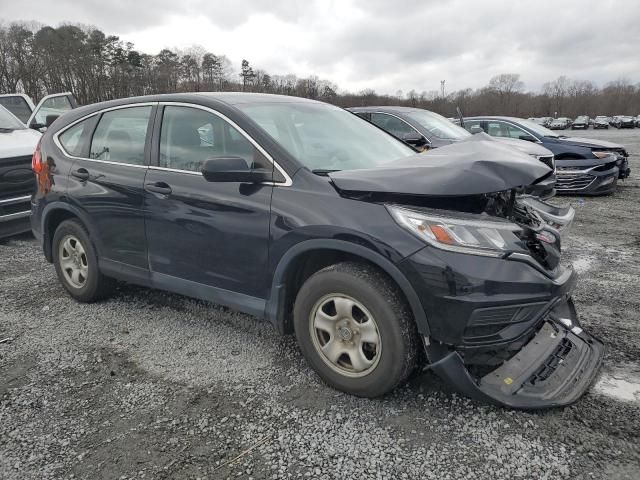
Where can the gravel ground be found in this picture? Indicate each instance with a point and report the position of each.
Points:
(153, 385)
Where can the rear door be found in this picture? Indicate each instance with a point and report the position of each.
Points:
(206, 237)
(107, 185)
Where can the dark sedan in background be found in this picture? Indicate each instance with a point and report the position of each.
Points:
(624, 121)
(583, 166)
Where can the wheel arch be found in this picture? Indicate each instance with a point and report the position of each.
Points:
(52, 216)
(307, 257)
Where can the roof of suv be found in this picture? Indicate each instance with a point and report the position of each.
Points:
(234, 98)
(230, 99)
(387, 107)
(496, 117)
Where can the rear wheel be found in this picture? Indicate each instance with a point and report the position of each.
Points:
(355, 329)
(76, 263)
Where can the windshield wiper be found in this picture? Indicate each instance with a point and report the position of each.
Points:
(323, 172)
(6, 130)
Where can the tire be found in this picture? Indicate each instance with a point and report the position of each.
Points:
(378, 308)
(76, 263)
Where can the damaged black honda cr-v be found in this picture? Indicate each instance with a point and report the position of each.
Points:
(379, 260)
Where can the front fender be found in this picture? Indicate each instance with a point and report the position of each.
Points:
(274, 310)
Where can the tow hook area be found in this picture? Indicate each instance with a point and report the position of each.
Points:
(555, 368)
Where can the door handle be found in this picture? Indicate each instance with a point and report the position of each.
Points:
(158, 187)
(81, 174)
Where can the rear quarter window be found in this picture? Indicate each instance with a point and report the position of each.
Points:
(74, 139)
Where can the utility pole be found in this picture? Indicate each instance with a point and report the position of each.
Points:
(442, 87)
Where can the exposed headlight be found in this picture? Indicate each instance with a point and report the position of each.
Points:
(476, 237)
(603, 154)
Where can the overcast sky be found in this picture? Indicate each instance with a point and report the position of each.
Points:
(387, 45)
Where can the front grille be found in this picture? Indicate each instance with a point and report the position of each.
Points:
(606, 166)
(569, 179)
(550, 365)
(547, 160)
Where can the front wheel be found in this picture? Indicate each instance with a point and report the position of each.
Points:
(355, 329)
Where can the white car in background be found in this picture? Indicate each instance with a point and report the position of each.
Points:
(21, 125)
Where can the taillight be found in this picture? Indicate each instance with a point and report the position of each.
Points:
(36, 160)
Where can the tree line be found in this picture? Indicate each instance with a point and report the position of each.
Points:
(38, 60)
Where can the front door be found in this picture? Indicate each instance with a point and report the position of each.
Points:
(206, 239)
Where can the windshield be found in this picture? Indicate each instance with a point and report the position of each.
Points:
(438, 126)
(538, 129)
(324, 137)
(8, 121)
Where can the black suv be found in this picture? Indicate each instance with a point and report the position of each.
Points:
(300, 213)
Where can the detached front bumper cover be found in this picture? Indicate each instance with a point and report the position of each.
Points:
(554, 369)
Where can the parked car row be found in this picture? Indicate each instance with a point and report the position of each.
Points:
(584, 121)
(582, 166)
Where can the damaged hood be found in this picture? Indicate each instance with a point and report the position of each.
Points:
(588, 142)
(464, 168)
(529, 148)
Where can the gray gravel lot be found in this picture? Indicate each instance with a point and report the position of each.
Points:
(153, 385)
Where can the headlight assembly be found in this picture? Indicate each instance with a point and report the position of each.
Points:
(602, 154)
(458, 234)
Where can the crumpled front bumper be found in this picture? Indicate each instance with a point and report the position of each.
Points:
(555, 368)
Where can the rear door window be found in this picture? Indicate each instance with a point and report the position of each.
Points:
(393, 125)
(121, 136)
(512, 131)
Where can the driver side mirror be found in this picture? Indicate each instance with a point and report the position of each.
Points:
(231, 169)
(414, 139)
(42, 127)
(528, 138)
(476, 129)
(50, 119)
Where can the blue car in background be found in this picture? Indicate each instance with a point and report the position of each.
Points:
(583, 166)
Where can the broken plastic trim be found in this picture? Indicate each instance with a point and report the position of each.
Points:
(553, 369)
(560, 218)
